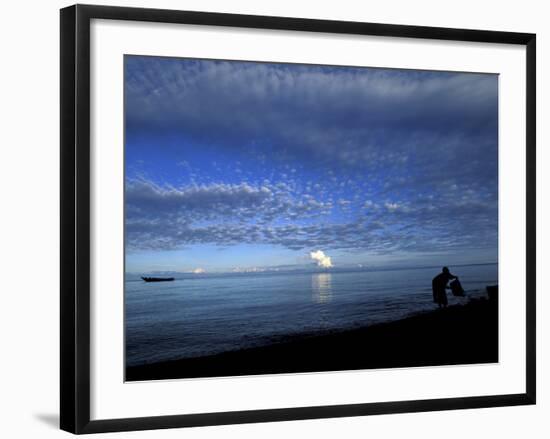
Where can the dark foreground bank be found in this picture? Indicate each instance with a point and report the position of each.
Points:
(456, 335)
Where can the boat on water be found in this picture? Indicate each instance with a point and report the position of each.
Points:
(157, 279)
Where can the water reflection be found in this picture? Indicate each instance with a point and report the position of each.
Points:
(321, 287)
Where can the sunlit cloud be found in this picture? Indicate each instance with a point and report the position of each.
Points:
(321, 259)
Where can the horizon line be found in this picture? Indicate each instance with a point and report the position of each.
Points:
(302, 269)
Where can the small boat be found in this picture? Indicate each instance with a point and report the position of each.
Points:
(157, 279)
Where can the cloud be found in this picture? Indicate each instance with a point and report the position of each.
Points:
(165, 198)
(169, 218)
(344, 159)
(392, 207)
(321, 259)
(369, 204)
(198, 271)
(357, 117)
(146, 200)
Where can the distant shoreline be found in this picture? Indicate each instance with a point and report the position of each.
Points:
(268, 271)
(461, 334)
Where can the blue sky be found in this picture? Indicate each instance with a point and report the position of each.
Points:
(237, 166)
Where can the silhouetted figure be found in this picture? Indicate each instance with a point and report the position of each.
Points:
(439, 284)
(456, 288)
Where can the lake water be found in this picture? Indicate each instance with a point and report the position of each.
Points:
(206, 314)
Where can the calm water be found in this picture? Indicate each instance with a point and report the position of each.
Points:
(205, 314)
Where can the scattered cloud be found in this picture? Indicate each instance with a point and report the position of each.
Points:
(353, 117)
(168, 218)
(302, 157)
(392, 207)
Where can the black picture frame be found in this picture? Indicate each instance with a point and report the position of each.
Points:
(75, 217)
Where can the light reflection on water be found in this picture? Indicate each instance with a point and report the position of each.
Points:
(203, 315)
(321, 287)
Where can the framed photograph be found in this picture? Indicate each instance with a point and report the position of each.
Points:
(267, 219)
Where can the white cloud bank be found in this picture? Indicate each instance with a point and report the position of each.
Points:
(321, 259)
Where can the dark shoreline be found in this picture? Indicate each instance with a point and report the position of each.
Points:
(466, 334)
